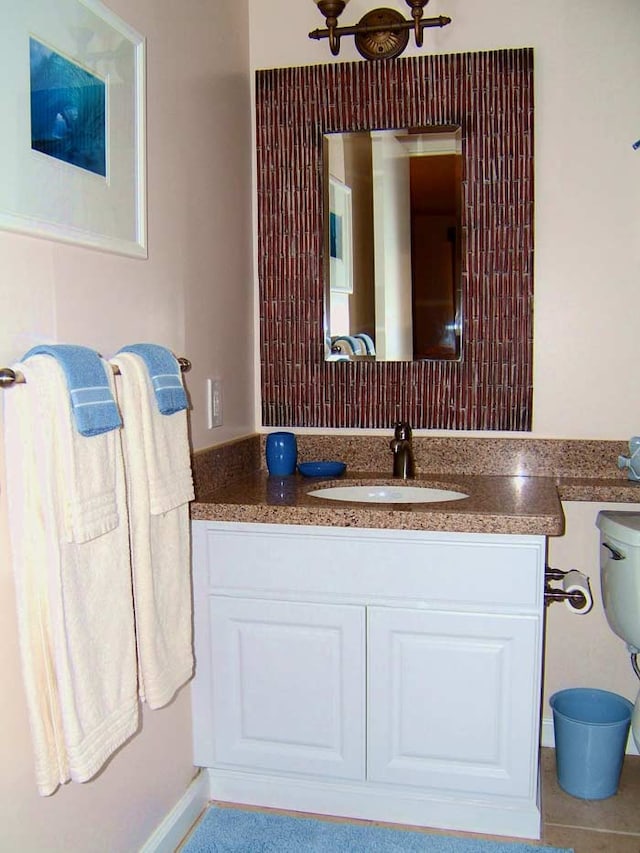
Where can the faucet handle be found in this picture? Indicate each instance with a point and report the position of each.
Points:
(403, 431)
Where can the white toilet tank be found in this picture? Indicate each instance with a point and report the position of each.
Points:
(620, 573)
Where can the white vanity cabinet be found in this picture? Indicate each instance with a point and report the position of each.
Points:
(380, 674)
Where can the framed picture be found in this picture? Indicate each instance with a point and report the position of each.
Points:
(73, 100)
(340, 237)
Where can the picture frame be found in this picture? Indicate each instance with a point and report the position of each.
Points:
(340, 237)
(74, 168)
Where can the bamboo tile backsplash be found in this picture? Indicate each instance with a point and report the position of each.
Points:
(490, 96)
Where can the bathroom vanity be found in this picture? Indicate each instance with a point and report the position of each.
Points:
(378, 661)
(386, 674)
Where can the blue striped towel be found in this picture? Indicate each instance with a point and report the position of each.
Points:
(92, 404)
(164, 371)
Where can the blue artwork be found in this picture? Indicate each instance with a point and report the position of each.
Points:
(68, 109)
(335, 235)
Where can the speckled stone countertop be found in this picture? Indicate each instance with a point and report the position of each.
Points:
(514, 485)
(495, 504)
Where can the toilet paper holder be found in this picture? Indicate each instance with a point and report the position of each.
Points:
(576, 599)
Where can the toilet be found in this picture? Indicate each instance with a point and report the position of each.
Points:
(620, 583)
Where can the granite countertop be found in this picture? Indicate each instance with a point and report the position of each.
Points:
(514, 486)
(598, 489)
(525, 505)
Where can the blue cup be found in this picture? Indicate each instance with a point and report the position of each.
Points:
(282, 453)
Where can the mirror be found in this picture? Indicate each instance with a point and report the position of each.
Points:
(393, 244)
(489, 96)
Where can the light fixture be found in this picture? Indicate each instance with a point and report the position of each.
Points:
(381, 33)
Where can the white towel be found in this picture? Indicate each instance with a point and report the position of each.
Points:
(73, 584)
(88, 471)
(159, 487)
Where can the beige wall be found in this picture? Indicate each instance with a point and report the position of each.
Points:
(193, 294)
(587, 243)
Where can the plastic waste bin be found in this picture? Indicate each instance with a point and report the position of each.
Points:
(591, 729)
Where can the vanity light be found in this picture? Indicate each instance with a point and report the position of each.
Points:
(381, 33)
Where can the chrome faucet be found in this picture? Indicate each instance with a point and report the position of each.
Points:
(402, 448)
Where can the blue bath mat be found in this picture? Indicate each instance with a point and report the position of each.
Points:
(230, 830)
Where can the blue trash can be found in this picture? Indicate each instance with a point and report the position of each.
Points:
(591, 729)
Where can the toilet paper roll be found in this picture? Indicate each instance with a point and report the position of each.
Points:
(575, 581)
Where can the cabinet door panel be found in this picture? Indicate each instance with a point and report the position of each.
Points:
(288, 686)
(453, 700)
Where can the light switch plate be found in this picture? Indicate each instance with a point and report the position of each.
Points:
(214, 403)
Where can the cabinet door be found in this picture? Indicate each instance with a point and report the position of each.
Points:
(453, 700)
(288, 686)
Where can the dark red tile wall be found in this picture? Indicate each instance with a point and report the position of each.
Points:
(490, 95)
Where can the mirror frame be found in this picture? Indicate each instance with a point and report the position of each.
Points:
(490, 96)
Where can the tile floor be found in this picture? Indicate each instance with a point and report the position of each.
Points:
(587, 826)
(592, 826)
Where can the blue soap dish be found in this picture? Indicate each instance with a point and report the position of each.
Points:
(322, 469)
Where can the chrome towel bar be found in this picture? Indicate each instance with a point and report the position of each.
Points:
(12, 377)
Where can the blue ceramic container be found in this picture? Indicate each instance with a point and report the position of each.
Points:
(281, 453)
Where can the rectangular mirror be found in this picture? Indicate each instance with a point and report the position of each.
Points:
(393, 243)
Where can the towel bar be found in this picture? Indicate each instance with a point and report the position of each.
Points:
(11, 377)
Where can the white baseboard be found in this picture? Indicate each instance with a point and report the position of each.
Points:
(547, 737)
(183, 815)
(488, 814)
(180, 819)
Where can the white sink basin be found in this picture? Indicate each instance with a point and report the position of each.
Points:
(386, 494)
